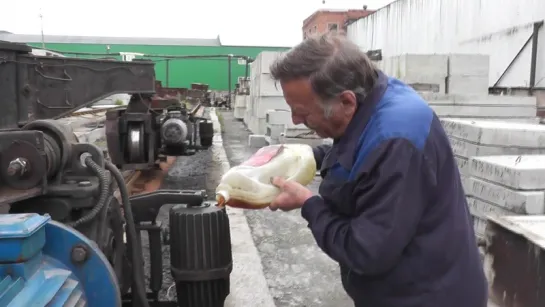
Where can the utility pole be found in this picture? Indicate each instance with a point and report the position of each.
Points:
(42, 28)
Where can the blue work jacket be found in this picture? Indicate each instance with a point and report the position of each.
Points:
(391, 208)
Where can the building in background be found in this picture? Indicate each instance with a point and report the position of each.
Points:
(171, 72)
(324, 21)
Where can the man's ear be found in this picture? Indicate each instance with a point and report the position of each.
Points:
(349, 101)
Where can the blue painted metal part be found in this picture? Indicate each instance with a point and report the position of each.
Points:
(36, 268)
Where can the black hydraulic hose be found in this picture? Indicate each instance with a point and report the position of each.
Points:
(104, 189)
(117, 229)
(118, 236)
(132, 236)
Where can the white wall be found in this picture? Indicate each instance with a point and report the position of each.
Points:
(498, 28)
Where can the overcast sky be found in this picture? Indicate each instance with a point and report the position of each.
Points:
(238, 22)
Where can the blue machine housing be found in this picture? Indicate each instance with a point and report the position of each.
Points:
(37, 266)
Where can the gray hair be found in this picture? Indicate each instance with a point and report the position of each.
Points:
(332, 63)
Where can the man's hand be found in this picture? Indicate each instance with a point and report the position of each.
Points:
(293, 195)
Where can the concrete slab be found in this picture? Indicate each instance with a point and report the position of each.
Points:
(467, 149)
(467, 85)
(264, 60)
(478, 100)
(239, 112)
(521, 120)
(414, 65)
(520, 202)
(462, 163)
(484, 110)
(468, 64)
(516, 172)
(496, 133)
(480, 210)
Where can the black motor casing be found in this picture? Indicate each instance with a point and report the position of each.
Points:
(200, 255)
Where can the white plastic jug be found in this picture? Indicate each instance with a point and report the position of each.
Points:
(248, 185)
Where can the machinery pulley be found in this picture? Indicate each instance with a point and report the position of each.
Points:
(136, 145)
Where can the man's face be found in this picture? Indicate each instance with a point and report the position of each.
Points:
(306, 109)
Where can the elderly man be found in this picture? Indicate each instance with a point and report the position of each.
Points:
(391, 208)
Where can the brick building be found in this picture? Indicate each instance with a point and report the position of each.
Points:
(323, 21)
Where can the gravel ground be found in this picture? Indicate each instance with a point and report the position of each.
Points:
(298, 273)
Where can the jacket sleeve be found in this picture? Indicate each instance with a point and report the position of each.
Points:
(390, 194)
(320, 152)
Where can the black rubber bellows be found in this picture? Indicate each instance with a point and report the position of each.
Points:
(200, 255)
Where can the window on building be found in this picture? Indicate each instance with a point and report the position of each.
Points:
(332, 27)
(315, 29)
(241, 61)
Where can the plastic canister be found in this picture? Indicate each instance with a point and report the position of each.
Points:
(248, 185)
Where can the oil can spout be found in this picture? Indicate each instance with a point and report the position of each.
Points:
(221, 198)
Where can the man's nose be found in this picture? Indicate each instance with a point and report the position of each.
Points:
(297, 120)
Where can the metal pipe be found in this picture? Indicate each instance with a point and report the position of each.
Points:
(167, 71)
(533, 59)
(229, 80)
(247, 67)
(513, 60)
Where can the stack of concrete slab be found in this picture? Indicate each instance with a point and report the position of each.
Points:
(487, 138)
(506, 185)
(248, 112)
(484, 107)
(440, 73)
(280, 129)
(425, 72)
(240, 106)
(468, 74)
(265, 94)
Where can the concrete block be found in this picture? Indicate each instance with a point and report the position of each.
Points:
(462, 163)
(426, 83)
(467, 149)
(520, 202)
(275, 131)
(282, 117)
(247, 116)
(264, 60)
(496, 133)
(263, 104)
(257, 141)
(416, 65)
(480, 210)
(247, 101)
(467, 85)
(520, 120)
(468, 65)
(516, 172)
(240, 101)
(465, 184)
(266, 86)
(479, 111)
(239, 112)
(278, 117)
(478, 100)
(257, 125)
